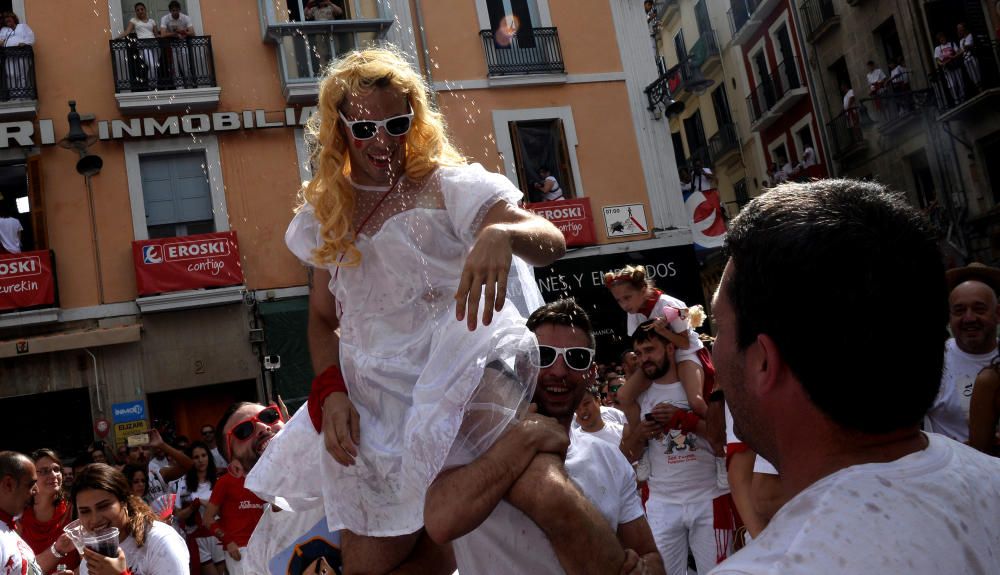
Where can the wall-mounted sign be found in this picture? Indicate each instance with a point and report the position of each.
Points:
(26, 280)
(627, 220)
(123, 430)
(572, 217)
(189, 262)
(128, 411)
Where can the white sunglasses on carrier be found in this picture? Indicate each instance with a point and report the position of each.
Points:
(367, 129)
(576, 358)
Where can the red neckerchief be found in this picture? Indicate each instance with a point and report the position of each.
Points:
(7, 518)
(647, 307)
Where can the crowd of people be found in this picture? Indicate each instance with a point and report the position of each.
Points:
(459, 423)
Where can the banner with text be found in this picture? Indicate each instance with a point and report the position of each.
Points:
(673, 269)
(189, 262)
(27, 280)
(572, 217)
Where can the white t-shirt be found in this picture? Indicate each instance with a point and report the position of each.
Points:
(682, 467)
(875, 76)
(808, 157)
(847, 98)
(932, 512)
(185, 497)
(164, 553)
(156, 464)
(277, 535)
(611, 433)
(10, 228)
(157, 486)
(16, 557)
(143, 30)
(946, 50)
(949, 415)
(634, 320)
(20, 34)
(555, 193)
(510, 542)
(900, 75)
(183, 22)
(701, 182)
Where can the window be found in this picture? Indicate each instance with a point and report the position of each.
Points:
(176, 194)
(923, 180)
(120, 12)
(541, 144)
(741, 193)
(175, 187)
(518, 16)
(701, 17)
(888, 37)
(22, 199)
(679, 46)
(694, 131)
(678, 148)
(720, 103)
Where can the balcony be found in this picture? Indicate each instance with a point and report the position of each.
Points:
(666, 11)
(725, 144)
(775, 94)
(898, 103)
(527, 52)
(846, 135)
(18, 94)
(659, 92)
(164, 74)
(968, 86)
(709, 57)
(819, 18)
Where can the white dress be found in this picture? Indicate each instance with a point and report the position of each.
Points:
(421, 382)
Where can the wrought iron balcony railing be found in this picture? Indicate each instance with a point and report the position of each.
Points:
(817, 14)
(726, 140)
(17, 82)
(527, 51)
(143, 65)
(772, 88)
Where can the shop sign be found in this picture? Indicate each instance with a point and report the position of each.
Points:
(572, 217)
(189, 262)
(627, 220)
(128, 411)
(27, 280)
(673, 269)
(123, 430)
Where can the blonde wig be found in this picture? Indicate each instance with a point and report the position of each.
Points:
(329, 192)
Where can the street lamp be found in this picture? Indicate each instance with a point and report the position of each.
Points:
(87, 166)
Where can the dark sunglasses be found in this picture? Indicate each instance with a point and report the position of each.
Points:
(366, 129)
(577, 358)
(243, 430)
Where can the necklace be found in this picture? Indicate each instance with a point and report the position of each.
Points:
(368, 188)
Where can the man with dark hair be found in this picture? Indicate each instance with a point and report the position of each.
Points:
(833, 402)
(683, 483)
(17, 487)
(543, 498)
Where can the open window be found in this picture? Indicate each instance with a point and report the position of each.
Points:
(538, 145)
(21, 191)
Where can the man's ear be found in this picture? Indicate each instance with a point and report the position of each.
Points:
(764, 363)
(236, 469)
(8, 484)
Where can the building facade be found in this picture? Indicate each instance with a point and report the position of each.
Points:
(153, 267)
(930, 128)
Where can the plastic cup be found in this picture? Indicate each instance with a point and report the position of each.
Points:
(76, 532)
(104, 541)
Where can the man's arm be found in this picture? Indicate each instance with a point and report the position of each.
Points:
(740, 474)
(324, 341)
(637, 536)
(461, 498)
(181, 461)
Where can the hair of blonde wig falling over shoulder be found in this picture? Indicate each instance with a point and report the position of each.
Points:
(329, 192)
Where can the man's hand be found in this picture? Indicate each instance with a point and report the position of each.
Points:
(487, 264)
(634, 565)
(651, 429)
(98, 564)
(545, 434)
(663, 412)
(341, 428)
(234, 550)
(154, 439)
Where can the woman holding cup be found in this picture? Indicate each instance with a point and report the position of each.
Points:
(145, 545)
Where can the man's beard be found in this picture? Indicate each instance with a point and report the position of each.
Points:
(659, 372)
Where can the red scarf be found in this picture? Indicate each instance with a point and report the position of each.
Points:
(39, 535)
(647, 307)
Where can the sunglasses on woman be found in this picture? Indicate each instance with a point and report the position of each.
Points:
(576, 358)
(366, 129)
(243, 430)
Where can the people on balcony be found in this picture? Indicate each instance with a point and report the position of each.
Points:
(14, 33)
(10, 231)
(549, 186)
(142, 27)
(899, 78)
(946, 56)
(323, 10)
(178, 26)
(876, 82)
(967, 50)
(851, 110)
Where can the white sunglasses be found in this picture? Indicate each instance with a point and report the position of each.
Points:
(367, 129)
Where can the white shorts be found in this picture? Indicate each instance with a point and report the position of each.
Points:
(210, 550)
(233, 566)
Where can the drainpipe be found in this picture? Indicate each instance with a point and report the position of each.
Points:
(97, 382)
(426, 51)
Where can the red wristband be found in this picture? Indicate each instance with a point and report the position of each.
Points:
(689, 421)
(330, 381)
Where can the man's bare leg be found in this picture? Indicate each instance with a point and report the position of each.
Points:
(581, 537)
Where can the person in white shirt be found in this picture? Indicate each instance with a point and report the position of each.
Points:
(10, 232)
(179, 26)
(544, 499)
(967, 50)
(549, 186)
(876, 79)
(702, 178)
(14, 33)
(590, 419)
(946, 57)
(17, 487)
(145, 28)
(973, 319)
(208, 436)
(146, 545)
(869, 492)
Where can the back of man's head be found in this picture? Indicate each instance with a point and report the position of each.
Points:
(564, 312)
(13, 464)
(848, 281)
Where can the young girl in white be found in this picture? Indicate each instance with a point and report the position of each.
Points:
(407, 243)
(640, 299)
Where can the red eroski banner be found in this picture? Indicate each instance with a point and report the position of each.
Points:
(189, 262)
(572, 217)
(26, 280)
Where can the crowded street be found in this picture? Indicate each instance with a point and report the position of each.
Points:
(637, 287)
